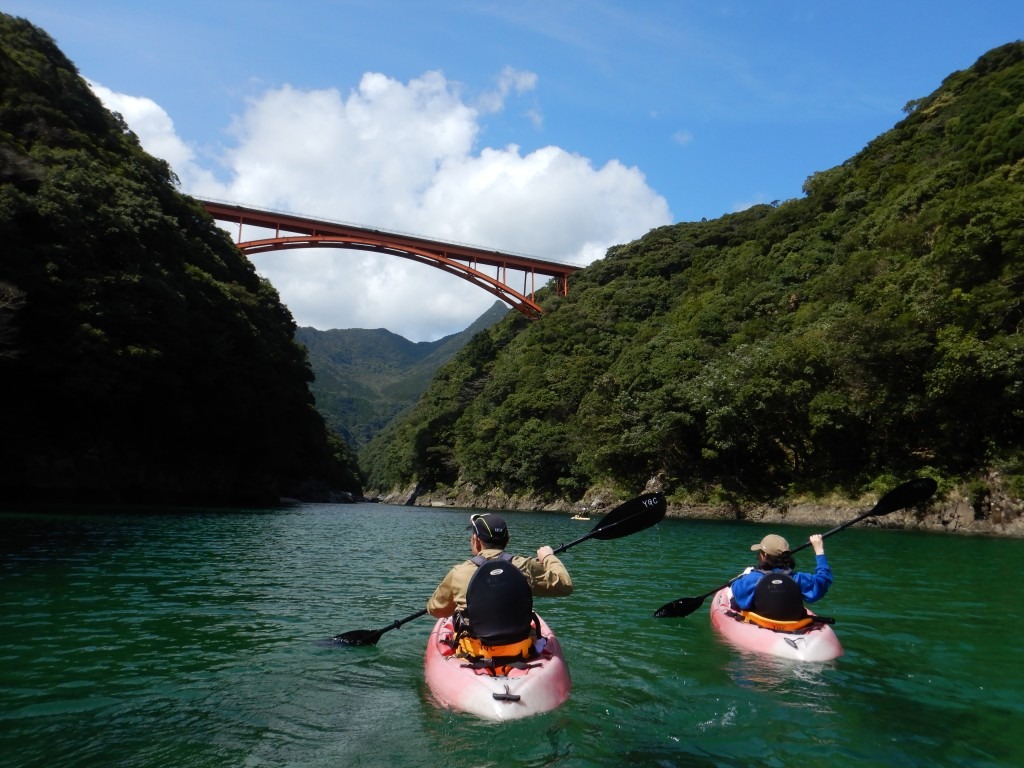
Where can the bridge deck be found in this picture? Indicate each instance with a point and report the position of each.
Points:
(461, 260)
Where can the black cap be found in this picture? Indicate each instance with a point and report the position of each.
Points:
(490, 528)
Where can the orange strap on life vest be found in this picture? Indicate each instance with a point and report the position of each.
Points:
(782, 626)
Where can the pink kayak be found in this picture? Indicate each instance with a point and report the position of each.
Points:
(542, 686)
(814, 643)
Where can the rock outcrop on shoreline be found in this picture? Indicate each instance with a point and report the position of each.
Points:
(999, 514)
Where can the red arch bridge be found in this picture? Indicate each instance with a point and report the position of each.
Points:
(467, 262)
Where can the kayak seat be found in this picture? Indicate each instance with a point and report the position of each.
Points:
(499, 604)
(777, 596)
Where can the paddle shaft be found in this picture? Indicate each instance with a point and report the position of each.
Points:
(564, 547)
(904, 495)
(399, 622)
(649, 505)
(837, 529)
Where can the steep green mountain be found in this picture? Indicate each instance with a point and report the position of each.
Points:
(141, 356)
(867, 330)
(364, 378)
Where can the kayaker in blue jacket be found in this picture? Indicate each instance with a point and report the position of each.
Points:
(773, 555)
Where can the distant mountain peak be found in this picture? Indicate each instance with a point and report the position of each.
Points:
(365, 377)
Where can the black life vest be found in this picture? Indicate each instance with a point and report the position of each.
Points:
(778, 596)
(499, 601)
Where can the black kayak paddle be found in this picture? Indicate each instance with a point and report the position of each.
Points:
(371, 636)
(908, 494)
(626, 519)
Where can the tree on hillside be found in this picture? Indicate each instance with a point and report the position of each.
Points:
(142, 356)
(868, 329)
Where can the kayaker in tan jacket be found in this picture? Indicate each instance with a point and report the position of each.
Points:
(489, 536)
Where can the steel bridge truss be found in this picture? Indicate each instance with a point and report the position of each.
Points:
(460, 260)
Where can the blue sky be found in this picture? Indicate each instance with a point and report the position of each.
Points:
(549, 128)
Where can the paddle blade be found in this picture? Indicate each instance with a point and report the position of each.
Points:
(909, 494)
(684, 606)
(371, 636)
(358, 637)
(631, 517)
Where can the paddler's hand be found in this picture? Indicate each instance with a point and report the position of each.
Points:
(544, 552)
(817, 544)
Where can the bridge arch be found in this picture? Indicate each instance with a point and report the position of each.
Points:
(462, 261)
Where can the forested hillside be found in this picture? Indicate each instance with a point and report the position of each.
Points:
(364, 378)
(864, 332)
(141, 356)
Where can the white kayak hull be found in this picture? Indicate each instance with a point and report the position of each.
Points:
(521, 693)
(815, 643)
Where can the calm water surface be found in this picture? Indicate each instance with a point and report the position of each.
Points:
(196, 639)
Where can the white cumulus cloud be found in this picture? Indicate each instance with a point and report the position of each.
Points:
(402, 157)
(155, 129)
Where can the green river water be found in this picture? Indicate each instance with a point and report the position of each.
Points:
(161, 638)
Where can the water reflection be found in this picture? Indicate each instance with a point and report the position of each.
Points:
(792, 683)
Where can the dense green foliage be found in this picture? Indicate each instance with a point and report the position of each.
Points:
(141, 356)
(870, 328)
(365, 378)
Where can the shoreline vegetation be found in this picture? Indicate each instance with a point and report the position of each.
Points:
(957, 510)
